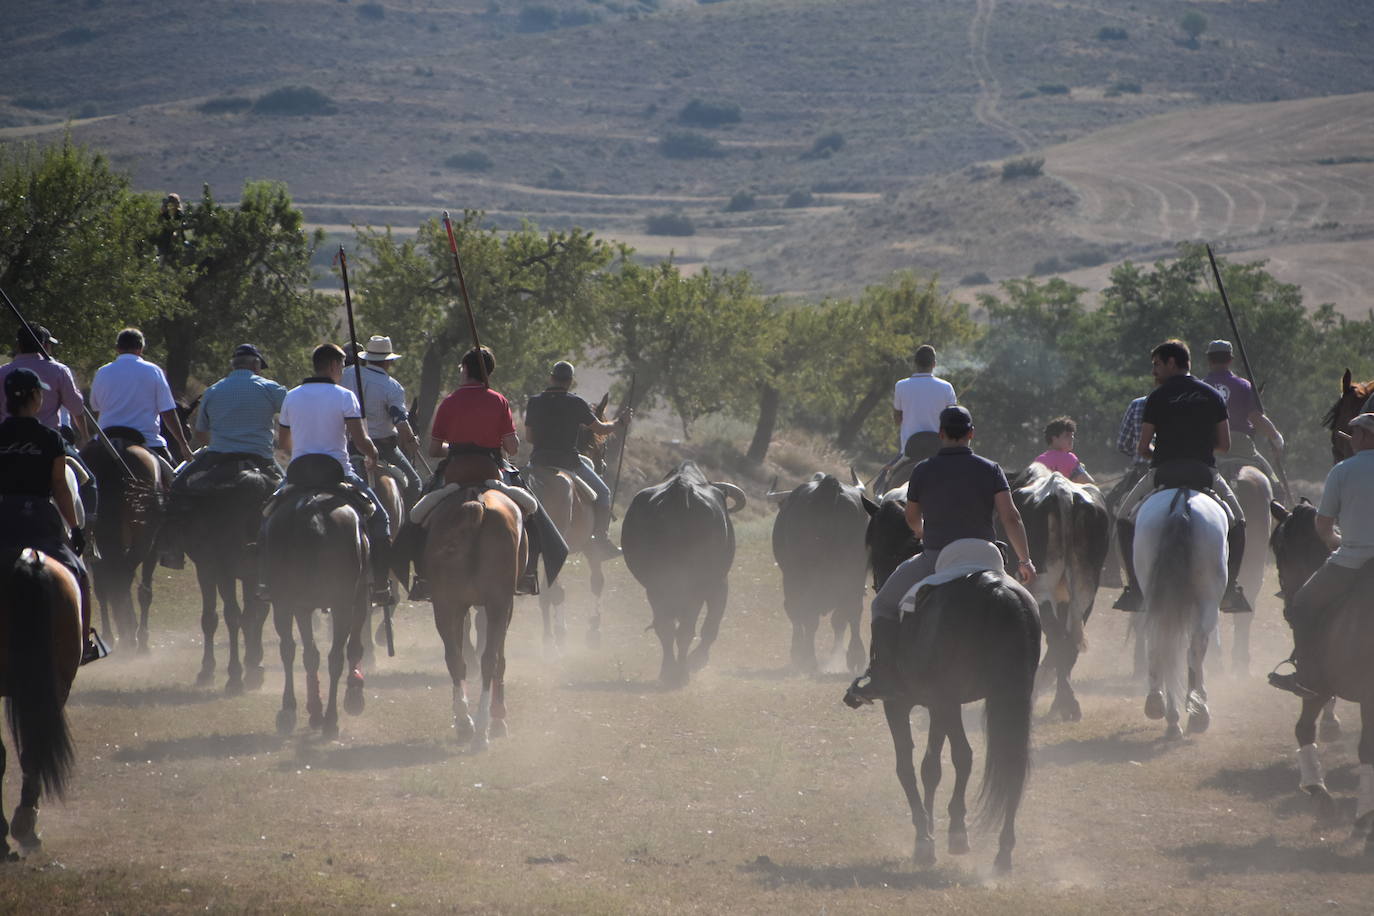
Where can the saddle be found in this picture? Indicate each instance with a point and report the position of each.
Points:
(423, 509)
(965, 557)
(541, 475)
(319, 473)
(215, 472)
(1186, 474)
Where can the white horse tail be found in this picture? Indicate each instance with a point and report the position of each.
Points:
(1171, 599)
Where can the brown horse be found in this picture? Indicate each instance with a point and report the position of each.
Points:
(40, 649)
(126, 532)
(475, 551)
(1346, 408)
(317, 556)
(390, 494)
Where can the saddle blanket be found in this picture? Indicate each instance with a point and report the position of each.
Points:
(958, 559)
(421, 511)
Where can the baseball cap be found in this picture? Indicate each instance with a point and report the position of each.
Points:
(1219, 346)
(40, 336)
(956, 420)
(20, 382)
(250, 350)
(562, 371)
(1364, 421)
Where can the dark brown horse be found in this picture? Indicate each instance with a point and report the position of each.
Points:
(391, 494)
(1346, 408)
(475, 551)
(40, 649)
(126, 533)
(317, 557)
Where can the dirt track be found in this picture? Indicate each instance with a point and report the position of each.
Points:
(750, 791)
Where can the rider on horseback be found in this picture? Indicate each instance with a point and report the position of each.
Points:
(1187, 421)
(951, 496)
(916, 404)
(553, 420)
(1245, 415)
(35, 496)
(388, 420)
(320, 417)
(132, 394)
(1348, 505)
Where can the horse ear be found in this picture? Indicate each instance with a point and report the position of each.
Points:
(1346, 382)
(1277, 510)
(869, 506)
(601, 404)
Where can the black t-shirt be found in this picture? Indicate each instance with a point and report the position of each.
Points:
(554, 418)
(27, 451)
(1185, 412)
(956, 489)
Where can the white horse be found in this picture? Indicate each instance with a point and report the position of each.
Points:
(1180, 551)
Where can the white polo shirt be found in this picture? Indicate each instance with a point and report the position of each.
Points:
(920, 398)
(132, 392)
(315, 412)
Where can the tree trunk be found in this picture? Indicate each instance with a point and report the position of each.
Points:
(849, 429)
(431, 379)
(769, 399)
(177, 338)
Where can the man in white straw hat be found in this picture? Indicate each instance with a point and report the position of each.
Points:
(388, 419)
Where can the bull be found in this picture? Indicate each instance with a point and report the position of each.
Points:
(679, 543)
(818, 543)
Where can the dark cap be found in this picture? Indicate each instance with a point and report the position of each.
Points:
(250, 350)
(21, 382)
(562, 371)
(26, 341)
(956, 420)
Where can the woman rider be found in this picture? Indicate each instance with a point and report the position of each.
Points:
(35, 497)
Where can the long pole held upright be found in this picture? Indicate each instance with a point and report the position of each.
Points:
(624, 442)
(1245, 362)
(352, 331)
(467, 303)
(90, 417)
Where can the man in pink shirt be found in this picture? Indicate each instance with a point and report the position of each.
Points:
(1059, 456)
(28, 354)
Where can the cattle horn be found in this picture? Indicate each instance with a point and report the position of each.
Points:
(733, 494)
(1278, 511)
(774, 494)
(854, 476)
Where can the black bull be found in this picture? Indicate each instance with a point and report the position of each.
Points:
(679, 544)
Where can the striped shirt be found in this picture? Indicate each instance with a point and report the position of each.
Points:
(1129, 435)
(237, 412)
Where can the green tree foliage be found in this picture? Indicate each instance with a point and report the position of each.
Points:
(75, 248)
(1193, 24)
(248, 274)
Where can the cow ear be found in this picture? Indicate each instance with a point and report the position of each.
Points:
(1346, 382)
(1277, 510)
(869, 506)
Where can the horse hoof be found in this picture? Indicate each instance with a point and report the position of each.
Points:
(924, 855)
(353, 698)
(1329, 730)
(329, 730)
(286, 722)
(499, 729)
(143, 648)
(1002, 864)
(206, 677)
(252, 678)
(1173, 732)
(233, 687)
(1199, 719)
(24, 828)
(1068, 710)
(1325, 805)
(463, 729)
(479, 744)
(1154, 705)
(697, 660)
(958, 842)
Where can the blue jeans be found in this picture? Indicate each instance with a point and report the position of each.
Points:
(379, 525)
(588, 474)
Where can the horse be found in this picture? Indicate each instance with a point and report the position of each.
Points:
(317, 557)
(1180, 549)
(391, 494)
(1254, 492)
(126, 530)
(1348, 406)
(975, 638)
(216, 518)
(475, 551)
(40, 650)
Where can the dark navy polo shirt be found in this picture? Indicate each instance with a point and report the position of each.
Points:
(956, 489)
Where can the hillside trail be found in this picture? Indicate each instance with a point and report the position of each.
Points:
(986, 109)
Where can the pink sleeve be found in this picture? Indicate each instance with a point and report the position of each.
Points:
(68, 395)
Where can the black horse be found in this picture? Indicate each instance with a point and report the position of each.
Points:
(975, 638)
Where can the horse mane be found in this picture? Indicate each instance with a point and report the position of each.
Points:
(1359, 393)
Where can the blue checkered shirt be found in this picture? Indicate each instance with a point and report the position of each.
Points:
(1129, 435)
(237, 412)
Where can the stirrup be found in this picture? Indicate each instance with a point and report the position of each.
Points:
(94, 649)
(1290, 681)
(419, 589)
(1131, 600)
(1233, 601)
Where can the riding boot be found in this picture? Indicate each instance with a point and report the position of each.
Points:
(528, 583)
(1234, 602)
(1131, 598)
(880, 681)
(379, 557)
(601, 545)
(1306, 669)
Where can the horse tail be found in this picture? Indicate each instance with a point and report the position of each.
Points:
(35, 709)
(1007, 712)
(1171, 596)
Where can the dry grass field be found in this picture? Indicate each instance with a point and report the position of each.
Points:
(752, 790)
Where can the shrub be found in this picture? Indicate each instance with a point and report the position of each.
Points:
(683, 144)
(1052, 89)
(89, 110)
(1029, 167)
(799, 198)
(1128, 86)
(1108, 33)
(571, 19)
(76, 36)
(294, 100)
(669, 224)
(34, 102)
(1050, 265)
(741, 201)
(472, 160)
(825, 145)
(1193, 25)
(373, 11)
(709, 114)
(536, 18)
(225, 104)
(977, 278)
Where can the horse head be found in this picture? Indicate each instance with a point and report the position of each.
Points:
(1346, 408)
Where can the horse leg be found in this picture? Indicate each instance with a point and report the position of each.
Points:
(368, 640)
(254, 618)
(497, 638)
(961, 755)
(24, 824)
(1140, 664)
(284, 619)
(357, 626)
(209, 623)
(931, 771)
(498, 619)
(233, 623)
(310, 659)
(898, 716)
(145, 602)
(1240, 645)
(546, 611)
(102, 597)
(1330, 725)
(558, 598)
(1311, 778)
(594, 621)
(6, 855)
(452, 625)
(856, 658)
(1364, 804)
(1065, 703)
(710, 627)
(1199, 716)
(1155, 706)
(343, 640)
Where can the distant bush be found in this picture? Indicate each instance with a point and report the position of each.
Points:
(1107, 33)
(683, 144)
(1193, 25)
(571, 19)
(225, 104)
(1087, 257)
(1327, 225)
(741, 201)
(76, 36)
(1329, 160)
(1028, 167)
(294, 100)
(89, 110)
(1125, 86)
(1052, 89)
(825, 145)
(799, 198)
(472, 160)
(699, 113)
(373, 11)
(535, 18)
(34, 102)
(977, 278)
(1050, 265)
(669, 224)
